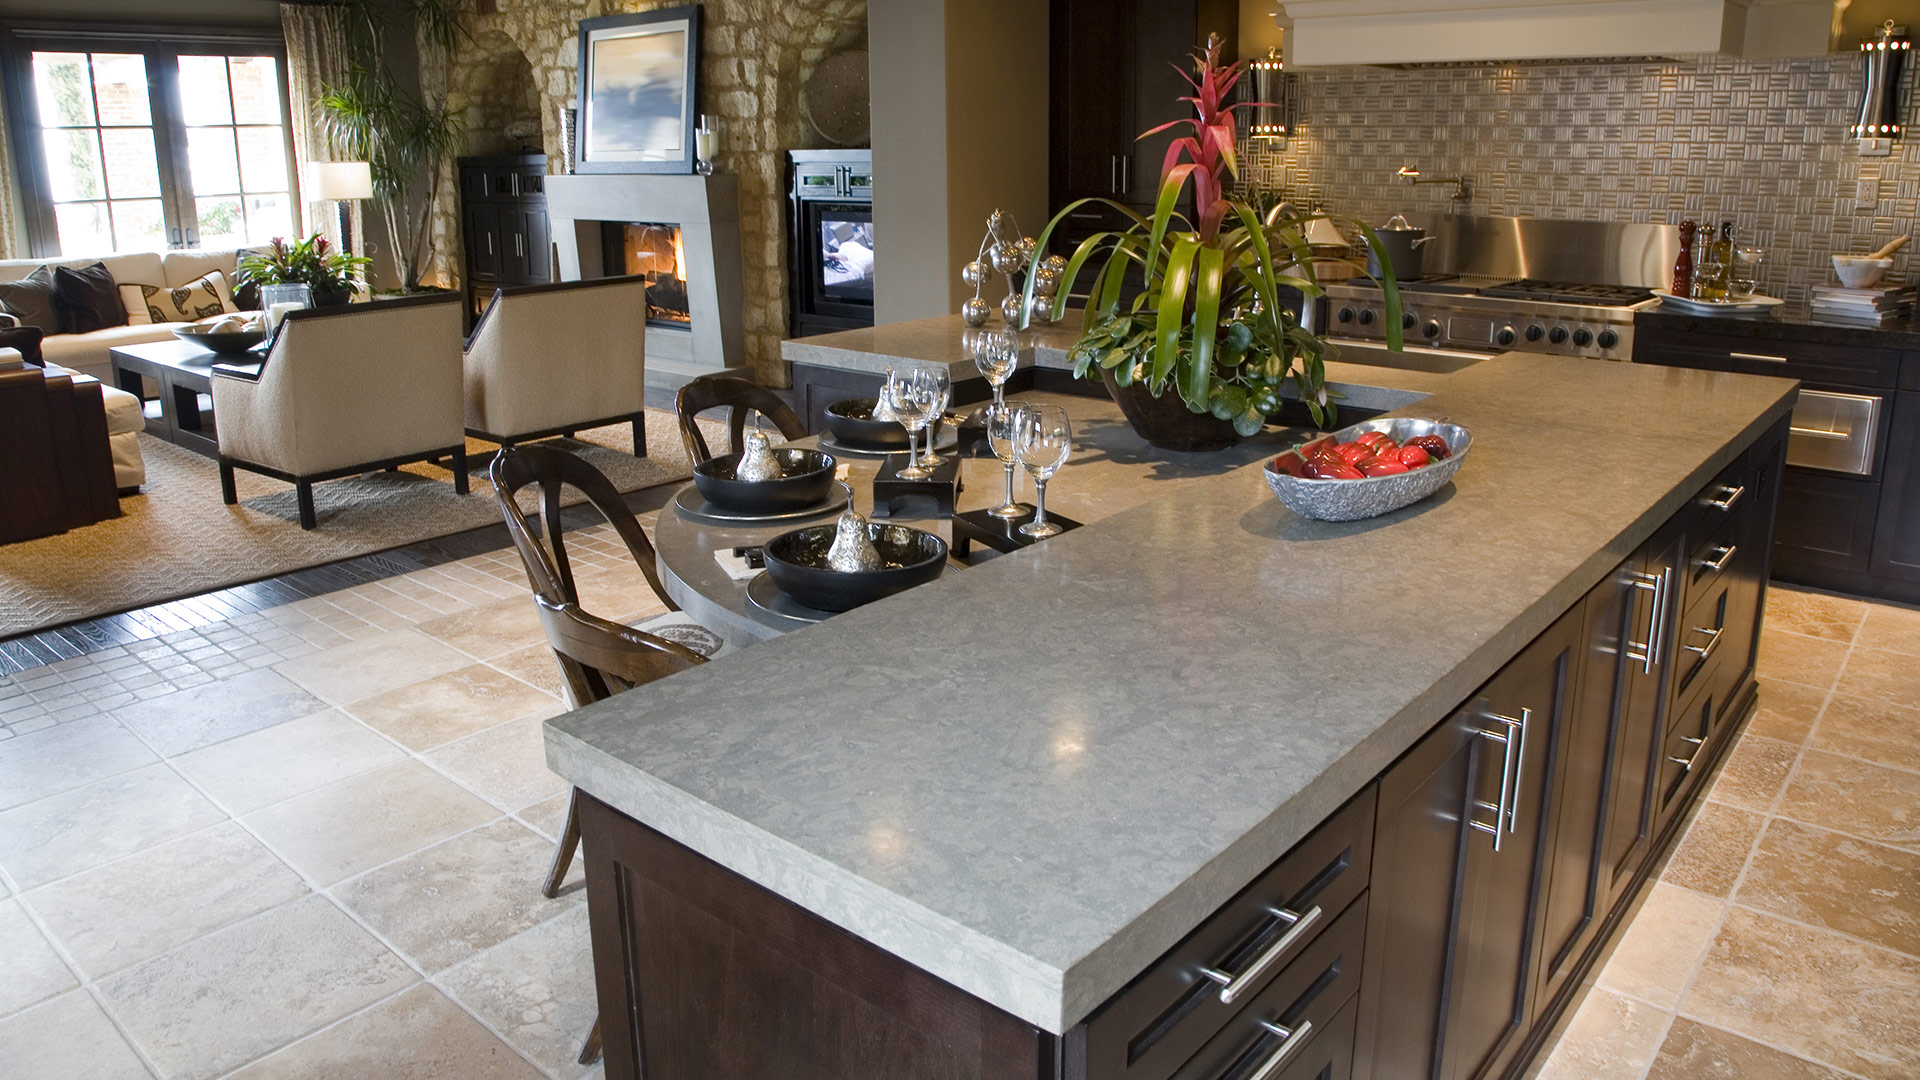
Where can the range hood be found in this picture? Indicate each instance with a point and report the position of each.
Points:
(1327, 32)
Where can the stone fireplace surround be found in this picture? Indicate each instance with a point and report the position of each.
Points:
(707, 210)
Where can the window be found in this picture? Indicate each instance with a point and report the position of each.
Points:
(132, 145)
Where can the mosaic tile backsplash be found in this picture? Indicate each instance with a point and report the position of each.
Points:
(1764, 144)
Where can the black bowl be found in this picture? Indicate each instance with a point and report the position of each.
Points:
(797, 562)
(852, 424)
(806, 480)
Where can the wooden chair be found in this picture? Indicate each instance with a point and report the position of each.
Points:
(598, 658)
(739, 396)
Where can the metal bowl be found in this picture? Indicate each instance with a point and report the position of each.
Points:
(806, 478)
(1356, 500)
(797, 563)
(225, 342)
(853, 425)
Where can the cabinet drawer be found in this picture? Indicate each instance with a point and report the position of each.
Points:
(1704, 634)
(1311, 1004)
(1688, 731)
(1171, 1010)
(1806, 361)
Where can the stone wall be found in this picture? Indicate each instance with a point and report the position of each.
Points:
(755, 58)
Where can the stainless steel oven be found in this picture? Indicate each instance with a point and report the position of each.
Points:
(1835, 432)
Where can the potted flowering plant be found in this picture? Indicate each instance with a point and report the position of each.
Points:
(1203, 354)
(331, 275)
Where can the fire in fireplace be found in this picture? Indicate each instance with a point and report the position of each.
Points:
(652, 250)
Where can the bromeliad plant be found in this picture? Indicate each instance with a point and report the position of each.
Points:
(332, 275)
(1209, 323)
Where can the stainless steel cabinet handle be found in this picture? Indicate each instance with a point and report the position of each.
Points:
(1721, 557)
(1713, 641)
(1763, 357)
(1126, 174)
(489, 243)
(1511, 734)
(1290, 1040)
(519, 245)
(1113, 175)
(1232, 986)
(1820, 433)
(1649, 653)
(1728, 496)
(1686, 763)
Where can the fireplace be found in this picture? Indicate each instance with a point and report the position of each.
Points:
(653, 250)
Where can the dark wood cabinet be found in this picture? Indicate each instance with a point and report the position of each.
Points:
(503, 225)
(1896, 547)
(1459, 867)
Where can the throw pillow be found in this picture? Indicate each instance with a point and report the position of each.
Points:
(31, 301)
(87, 298)
(24, 339)
(197, 299)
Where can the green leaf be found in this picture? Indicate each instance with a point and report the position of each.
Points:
(1170, 187)
(1171, 316)
(1389, 287)
(1249, 423)
(1208, 271)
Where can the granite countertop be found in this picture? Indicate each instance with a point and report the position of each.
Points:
(1788, 322)
(1033, 778)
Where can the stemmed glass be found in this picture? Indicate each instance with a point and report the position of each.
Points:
(941, 385)
(1000, 429)
(996, 353)
(1042, 439)
(911, 396)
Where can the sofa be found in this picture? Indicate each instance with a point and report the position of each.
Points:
(87, 353)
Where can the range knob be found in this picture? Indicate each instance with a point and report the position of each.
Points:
(1535, 332)
(1505, 336)
(1407, 320)
(1558, 335)
(1366, 317)
(1345, 315)
(1432, 329)
(1608, 339)
(1583, 337)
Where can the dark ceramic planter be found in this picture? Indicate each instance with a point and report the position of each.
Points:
(1165, 422)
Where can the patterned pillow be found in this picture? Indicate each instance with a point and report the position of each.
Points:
(197, 299)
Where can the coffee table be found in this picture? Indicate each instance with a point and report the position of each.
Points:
(184, 371)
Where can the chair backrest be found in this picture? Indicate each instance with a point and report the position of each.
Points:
(599, 659)
(741, 397)
(543, 357)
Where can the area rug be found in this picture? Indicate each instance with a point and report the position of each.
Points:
(176, 538)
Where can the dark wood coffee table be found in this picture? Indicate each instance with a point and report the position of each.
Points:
(183, 371)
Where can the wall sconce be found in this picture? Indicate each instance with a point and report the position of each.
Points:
(1879, 121)
(1272, 89)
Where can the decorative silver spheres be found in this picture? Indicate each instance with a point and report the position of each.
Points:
(1002, 253)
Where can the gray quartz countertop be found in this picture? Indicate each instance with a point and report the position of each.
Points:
(1034, 776)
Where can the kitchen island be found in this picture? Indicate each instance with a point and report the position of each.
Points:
(950, 832)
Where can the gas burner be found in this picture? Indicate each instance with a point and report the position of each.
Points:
(1566, 292)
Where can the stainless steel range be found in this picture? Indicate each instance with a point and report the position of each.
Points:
(1569, 288)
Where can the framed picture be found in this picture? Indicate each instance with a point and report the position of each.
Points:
(637, 92)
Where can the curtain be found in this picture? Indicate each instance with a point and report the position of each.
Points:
(10, 239)
(316, 57)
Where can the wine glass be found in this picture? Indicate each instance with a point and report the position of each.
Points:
(940, 383)
(1000, 428)
(996, 353)
(910, 395)
(1042, 439)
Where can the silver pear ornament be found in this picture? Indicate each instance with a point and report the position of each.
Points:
(757, 461)
(853, 551)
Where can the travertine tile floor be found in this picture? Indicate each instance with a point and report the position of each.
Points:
(308, 843)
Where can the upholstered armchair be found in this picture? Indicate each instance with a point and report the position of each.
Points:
(343, 391)
(554, 359)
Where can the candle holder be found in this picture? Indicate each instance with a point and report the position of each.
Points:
(705, 145)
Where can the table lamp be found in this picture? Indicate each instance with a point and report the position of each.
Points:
(338, 182)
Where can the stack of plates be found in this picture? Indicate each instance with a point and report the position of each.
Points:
(1881, 305)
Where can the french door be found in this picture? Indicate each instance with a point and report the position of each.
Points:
(128, 143)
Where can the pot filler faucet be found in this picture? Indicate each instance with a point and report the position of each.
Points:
(1463, 190)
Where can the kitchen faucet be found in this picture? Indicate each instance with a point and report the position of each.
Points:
(1462, 194)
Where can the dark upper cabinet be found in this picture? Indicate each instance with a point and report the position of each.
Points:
(1459, 867)
(1117, 67)
(503, 224)
(1896, 548)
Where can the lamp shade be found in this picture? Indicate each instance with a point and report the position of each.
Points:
(334, 180)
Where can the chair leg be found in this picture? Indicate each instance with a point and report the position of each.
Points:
(303, 492)
(563, 851)
(228, 494)
(460, 470)
(590, 1052)
(639, 434)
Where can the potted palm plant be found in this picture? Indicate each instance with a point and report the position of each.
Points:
(1203, 353)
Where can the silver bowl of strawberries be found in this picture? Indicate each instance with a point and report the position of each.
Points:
(1369, 469)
